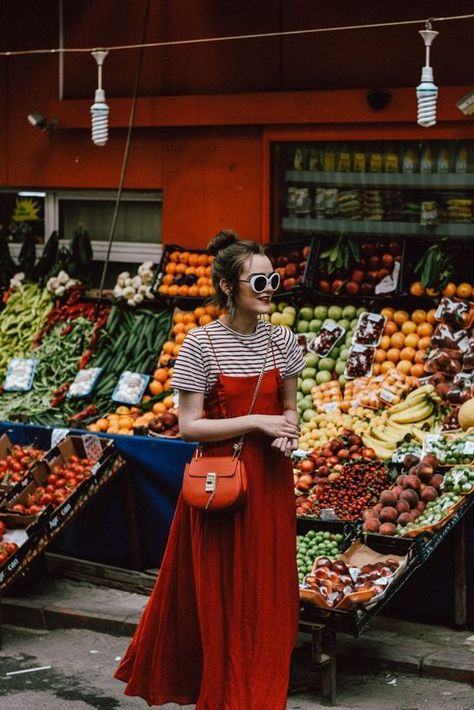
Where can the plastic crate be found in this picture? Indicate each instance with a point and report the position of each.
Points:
(328, 240)
(283, 249)
(348, 530)
(416, 247)
(186, 302)
(390, 545)
(426, 544)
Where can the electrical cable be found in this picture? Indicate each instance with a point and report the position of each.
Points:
(126, 153)
(230, 38)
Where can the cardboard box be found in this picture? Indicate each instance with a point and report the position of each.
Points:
(26, 534)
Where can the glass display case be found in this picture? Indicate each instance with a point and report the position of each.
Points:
(372, 187)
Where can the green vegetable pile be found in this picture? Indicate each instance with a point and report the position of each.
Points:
(23, 317)
(435, 511)
(453, 451)
(459, 479)
(316, 544)
(58, 358)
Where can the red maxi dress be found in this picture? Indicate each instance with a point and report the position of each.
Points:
(221, 622)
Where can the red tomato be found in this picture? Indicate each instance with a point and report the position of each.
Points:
(60, 482)
(74, 459)
(3, 527)
(52, 478)
(19, 508)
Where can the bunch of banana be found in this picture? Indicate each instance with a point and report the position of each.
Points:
(414, 416)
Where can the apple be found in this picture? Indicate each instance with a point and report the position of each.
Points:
(306, 313)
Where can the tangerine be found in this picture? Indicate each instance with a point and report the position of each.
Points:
(183, 290)
(176, 350)
(417, 370)
(181, 268)
(408, 327)
(432, 292)
(376, 369)
(390, 328)
(380, 355)
(450, 289)
(400, 317)
(183, 257)
(173, 290)
(167, 385)
(174, 256)
(178, 328)
(159, 408)
(193, 290)
(205, 319)
(163, 289)
(165, 358)
(170, 268)
(387, 312)
(212, 310)
(386, 366)
(385, 342)
(424, 330)
(393, 355)
(203, 259)
(397, 340)
(190, 326)
(160, 374)
(193, 259)
(417, 289)
(168, 279)
(189, 318)
(404, 366)
(168, 401)
(179, 338)
(408, 354)
(204, 291)
(418, 316)
(424, 343)
(168, 347)
(199, 311)
(420, 355)
(431, 316)
(412, 340)
(156, 387)
(464, 290)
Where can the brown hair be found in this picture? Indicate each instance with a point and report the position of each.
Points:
(231, 254)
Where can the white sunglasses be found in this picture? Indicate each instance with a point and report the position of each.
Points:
(260, 282)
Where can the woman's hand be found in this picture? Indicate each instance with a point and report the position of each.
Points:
(285, 445)
(276, 425)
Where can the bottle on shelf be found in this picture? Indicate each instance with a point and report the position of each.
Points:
(329, 164)
(443, 159)
(375, 161)
(359, 160)
(391, 160)
(460, 161)
(316, 159)
(410, 159)
(344, 159)
(426, 160)
(299, 159)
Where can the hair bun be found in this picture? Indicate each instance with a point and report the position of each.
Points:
(221, 240)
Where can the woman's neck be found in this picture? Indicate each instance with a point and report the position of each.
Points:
(242, 323)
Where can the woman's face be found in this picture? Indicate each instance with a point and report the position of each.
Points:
(246, 299)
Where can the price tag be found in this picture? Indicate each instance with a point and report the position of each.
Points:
(330, 325)
(374, 317)
(330, 406)
(387, 396)
(469, 447)
(430, 441)
(58, 435)
(92, 446)
(328, 514)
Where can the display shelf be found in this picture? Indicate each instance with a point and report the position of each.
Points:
(367, 226)
(421, 181)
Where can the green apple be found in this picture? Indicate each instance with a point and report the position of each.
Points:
(323, 376)
(282, 305)
(335, 312)
(360, 310)
(320, 312)
(334, 353)
(308, 372)
(342, 380)
(343, 354)
(287, 319)
(315, 325)
(349, 312)
(308, 414)
(340, 367)
(306, 402)
(306, 313)
(275, 318)
(344, 324)
(299, 396)
(348, 339)
(354, 323)
(290, 309)
(302, 326)
(326, 363)
(307, 385)
(311, 360)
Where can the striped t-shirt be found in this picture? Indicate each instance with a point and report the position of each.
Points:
(196, 368)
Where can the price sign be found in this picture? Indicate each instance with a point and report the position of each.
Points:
(58, 435)
(92, 446)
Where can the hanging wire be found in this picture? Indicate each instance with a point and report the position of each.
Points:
(126, 153)
(232, 38)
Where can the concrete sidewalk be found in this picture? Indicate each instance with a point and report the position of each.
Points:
(389, 644)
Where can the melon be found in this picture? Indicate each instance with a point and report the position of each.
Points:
(466, 415)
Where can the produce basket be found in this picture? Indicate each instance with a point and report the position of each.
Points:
(363, 286)
(389, 545)
(191, 259)
(427, 543)
(459, 249)
(289, 260)
(348, 530)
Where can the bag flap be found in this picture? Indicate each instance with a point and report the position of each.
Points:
(221, 465)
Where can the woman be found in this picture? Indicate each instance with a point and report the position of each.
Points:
(221, 623)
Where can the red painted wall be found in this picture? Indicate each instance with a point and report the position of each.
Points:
(211, 176)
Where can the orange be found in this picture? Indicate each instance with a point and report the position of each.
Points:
(393, 355)
(204, 291)
(411, 341)
(193, 290)
(212, 310)
(386, 366)
(418, 316)
(417, 370)
(204, 259)
(178, 317)
(380, 355)
(190, 326)
(198, 312)
(202, 281)
(432, 292)
(189, 270)
(420, 356)
(165, 358)
(173, 290)
(404, 366)
(159, 408)
(167, 385)
(102, 424)
(179, 338)
(430, 316)
(184, 256)
(176, 350)
(126, 422)
(113, 430)
(397, 341)
(408, 354)
(424, 343)
(390, 328)
(204, 320)
(93, 427)
(193, 259)
(156, 387)
(450, 289)
(178, 328)
(168, 401)
(385, 342)
(170, 268)
(168, 347)
(200, 271)
(160, 374)
(387, 312)
(174, 256)
(417, 289)
(122, 410)
(189, 318)
(168, 279)
(181, 268)
(183, 290)
(163, 289)
(400, 317)
(125, 432)
(408, 327)
(376, 369)
(464, 290)
(424, 330)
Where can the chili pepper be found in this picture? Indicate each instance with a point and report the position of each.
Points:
(87, 412)
(85, 359)
(66, 330)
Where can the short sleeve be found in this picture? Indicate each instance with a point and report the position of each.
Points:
(189, 372)
(295, 361)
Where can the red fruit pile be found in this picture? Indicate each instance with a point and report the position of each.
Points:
(290, 266)
(407, 500)
(17, 463)
(6, 548)
(59, 485)
(334, 580)
(165, 424)
(377, 261)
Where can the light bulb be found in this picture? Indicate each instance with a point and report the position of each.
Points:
(100, 119)
(427, 94)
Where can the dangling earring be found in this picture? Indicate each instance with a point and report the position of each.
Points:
(230, 307)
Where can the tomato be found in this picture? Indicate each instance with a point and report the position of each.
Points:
(74, 459)
(3, 557)
(3, 527)
(70, 474)
(19, 508)
(60, 482)
(52, 478)
(50, 488)
(35, 509)
(46, 499)
(3, 465)
(58, 471)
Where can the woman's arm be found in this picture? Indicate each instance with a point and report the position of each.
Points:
(194, 427)
(289, 443)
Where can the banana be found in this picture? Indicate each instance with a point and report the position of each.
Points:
(426, 390)
(415, 414)
(373, 443)
(380, 451)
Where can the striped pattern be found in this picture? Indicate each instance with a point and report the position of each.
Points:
(196, 368)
